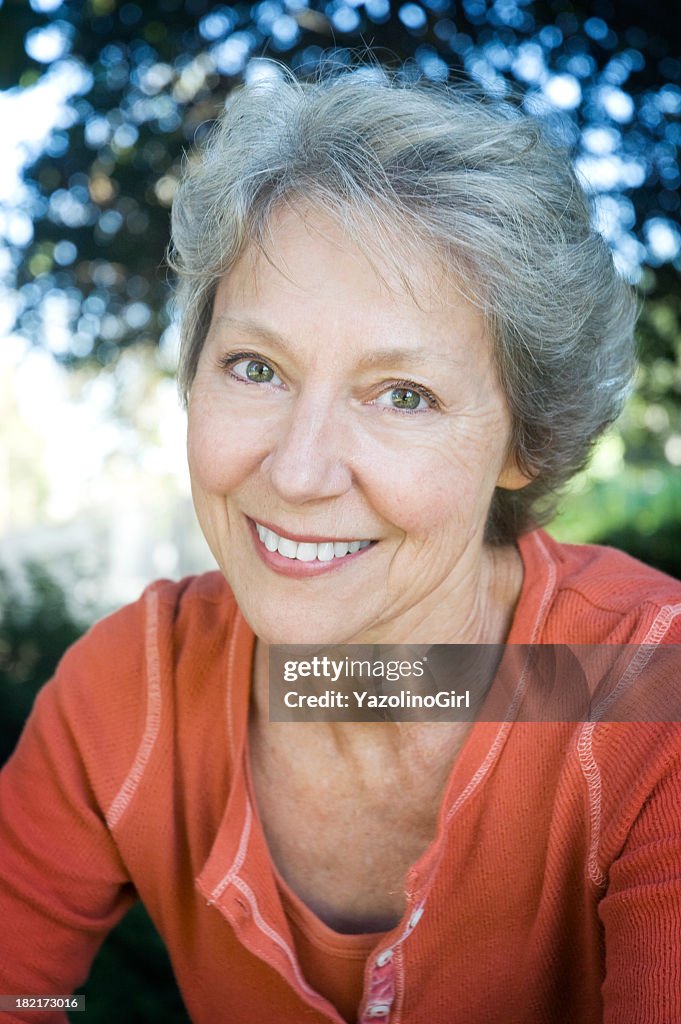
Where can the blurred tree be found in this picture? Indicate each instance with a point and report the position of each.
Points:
(36, 627)
(147, 79)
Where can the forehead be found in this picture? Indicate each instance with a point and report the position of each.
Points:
(309, 270)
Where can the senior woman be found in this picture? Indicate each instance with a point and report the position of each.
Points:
(400, 336)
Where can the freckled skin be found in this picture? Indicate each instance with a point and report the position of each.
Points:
(322, 450)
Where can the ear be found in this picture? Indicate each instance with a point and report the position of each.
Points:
(512, 477)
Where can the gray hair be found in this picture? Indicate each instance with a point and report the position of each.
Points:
(477, 184)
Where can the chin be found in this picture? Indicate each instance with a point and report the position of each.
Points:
(310, 636)
(297, 628)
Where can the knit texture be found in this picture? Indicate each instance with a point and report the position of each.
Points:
(551, 892)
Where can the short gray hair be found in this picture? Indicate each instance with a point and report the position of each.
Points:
(477, 182)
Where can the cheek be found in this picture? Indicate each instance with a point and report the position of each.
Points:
(434, 486)
(220, 450)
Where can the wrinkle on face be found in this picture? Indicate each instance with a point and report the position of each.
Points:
(420, 484)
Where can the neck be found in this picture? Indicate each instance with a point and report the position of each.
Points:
(373, 754)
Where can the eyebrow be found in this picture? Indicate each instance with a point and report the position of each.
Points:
(413, 357)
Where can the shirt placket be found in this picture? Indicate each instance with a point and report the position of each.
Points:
(379, 1002)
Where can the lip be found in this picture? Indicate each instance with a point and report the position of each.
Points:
(292, 566)
(299, 538)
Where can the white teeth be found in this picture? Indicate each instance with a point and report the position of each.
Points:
(271, 540)
(287, 548)
(306, 551)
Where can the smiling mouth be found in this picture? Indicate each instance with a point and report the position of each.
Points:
(307, 551)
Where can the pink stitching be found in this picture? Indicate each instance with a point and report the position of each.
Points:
(231, 654)
(591, 771)
(592, 774)
(153, 720)
(504, 728)
(548, 590)
(275, 937)
(239, 859)
(662, 622)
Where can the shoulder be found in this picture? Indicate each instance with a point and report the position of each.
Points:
(178, 612)
(115, 692)
(596, 594)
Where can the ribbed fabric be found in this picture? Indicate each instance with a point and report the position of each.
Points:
(333, 963)
(551, 893)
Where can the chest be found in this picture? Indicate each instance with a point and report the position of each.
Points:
(343, 836)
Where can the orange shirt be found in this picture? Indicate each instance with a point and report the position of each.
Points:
(333, 963)
(551, 892)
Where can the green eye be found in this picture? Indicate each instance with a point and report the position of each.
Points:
(259, 373)
(405, 398)
(250, 368)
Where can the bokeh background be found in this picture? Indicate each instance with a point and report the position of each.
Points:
(99, 101)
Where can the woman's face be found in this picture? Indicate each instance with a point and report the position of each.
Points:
(345, 440)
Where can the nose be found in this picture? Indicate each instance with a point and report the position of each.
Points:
(308, 458)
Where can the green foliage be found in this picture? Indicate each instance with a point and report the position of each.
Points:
(148, 80)
(131, 979)
(637, 510)
(36, 627)
(151, 77)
